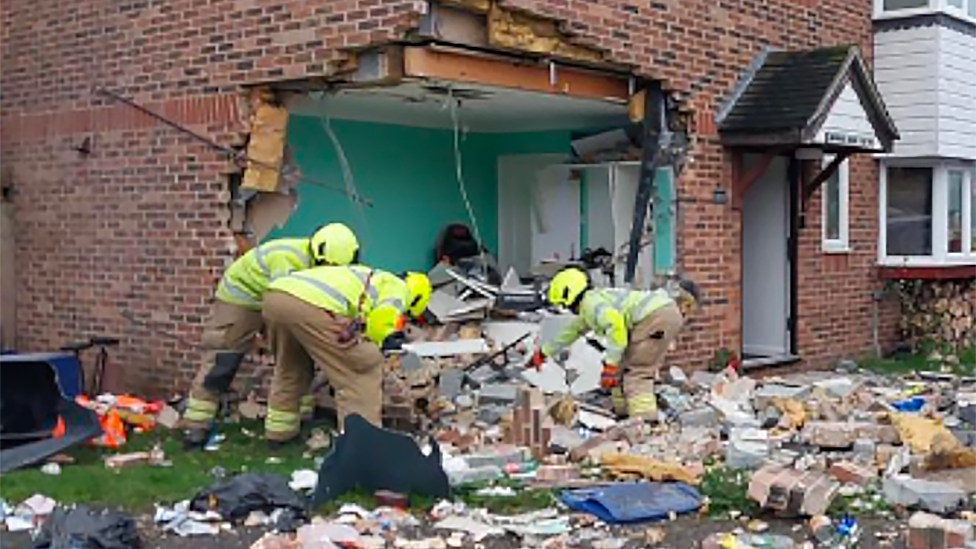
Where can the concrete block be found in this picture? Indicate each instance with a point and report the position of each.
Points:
(474, 475)
(677, 376)
(502, 456)
(765, 394)
(938, 497)
(698, 417)
(838, 387)
(747, 448)
(703, 379)
(449, 384)
(411, 362)
(497, 393)
(865, 450)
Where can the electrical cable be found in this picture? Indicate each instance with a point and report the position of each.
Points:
(453, 104)
(235, 154)
(347, 177)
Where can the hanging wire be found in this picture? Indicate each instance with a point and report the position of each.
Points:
(453, 104)
(347, 178)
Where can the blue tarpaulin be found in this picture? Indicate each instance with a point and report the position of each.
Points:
(633, 501)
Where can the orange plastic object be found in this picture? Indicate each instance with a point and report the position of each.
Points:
(113, 431)
(59, 429)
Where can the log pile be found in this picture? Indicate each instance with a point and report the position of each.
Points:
(942, 313)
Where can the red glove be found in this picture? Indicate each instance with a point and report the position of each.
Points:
(609, 376)
(537, 359)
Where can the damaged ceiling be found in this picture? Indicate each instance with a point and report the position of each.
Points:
(483, 109)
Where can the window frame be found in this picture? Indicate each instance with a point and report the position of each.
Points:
(934, 6)
(841, 244)
(940, 256)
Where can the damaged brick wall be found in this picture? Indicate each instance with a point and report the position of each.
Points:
(140, 223)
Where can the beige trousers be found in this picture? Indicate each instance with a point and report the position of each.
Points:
(227, 336)
(302, 335)
(649, 342)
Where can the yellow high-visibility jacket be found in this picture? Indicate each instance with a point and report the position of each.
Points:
(247, 278)
(351, 291)
(611, 313)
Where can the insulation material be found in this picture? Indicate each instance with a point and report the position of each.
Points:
(521, 31)
(266, 147)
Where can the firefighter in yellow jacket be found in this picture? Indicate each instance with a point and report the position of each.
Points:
(236, 317)
(337, 318)
(637, 326)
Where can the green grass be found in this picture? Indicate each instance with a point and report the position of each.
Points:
(726, 491)
(138, 487)
(919, 363)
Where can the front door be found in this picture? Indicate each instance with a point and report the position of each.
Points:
(766, 279)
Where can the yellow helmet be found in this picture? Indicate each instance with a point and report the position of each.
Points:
(567, 286)
(381, 322)
(334, 244)
(418, 293)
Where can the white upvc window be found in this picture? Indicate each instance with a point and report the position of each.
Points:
(887, 9)
(835, 200)
(927, 214)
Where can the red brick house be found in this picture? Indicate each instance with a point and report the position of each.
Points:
(122, 224)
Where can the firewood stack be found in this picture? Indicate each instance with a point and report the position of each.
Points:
(940, 312)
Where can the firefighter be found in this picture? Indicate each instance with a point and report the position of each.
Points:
(638, 327)
(236, 317)
(337, 318)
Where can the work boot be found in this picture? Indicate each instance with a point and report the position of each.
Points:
(195, 438)
(277, 445)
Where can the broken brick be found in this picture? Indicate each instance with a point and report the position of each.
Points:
(851, 473)
(926, 531)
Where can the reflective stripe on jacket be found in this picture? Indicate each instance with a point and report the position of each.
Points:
(349, 291)
(611, 313)
(247, 278)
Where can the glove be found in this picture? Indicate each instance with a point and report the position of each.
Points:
(537, 359)
(609, 376)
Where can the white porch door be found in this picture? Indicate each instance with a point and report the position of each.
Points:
(765, 263)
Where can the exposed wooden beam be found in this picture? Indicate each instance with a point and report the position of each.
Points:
(488, 70)
(810, 187)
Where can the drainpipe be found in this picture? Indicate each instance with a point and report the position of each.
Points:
(876, 297)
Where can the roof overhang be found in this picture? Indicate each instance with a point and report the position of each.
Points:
(823, 99)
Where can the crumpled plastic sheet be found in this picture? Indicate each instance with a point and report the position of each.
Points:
(236, 497)
(633, 501)
(83, 528)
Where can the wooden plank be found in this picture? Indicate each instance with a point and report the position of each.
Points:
(447, 348)
(487, 70)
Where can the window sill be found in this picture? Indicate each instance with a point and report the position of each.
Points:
(835, 249)
(927, 272)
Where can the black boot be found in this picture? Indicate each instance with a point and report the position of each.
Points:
(195, 438)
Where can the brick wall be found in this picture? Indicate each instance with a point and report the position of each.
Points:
(139, 225)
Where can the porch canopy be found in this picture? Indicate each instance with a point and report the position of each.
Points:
(823, 98)
(804, 104)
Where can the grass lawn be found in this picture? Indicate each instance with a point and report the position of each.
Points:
(903, 364)
(138, 487)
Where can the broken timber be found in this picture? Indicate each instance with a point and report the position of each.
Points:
(651, 159)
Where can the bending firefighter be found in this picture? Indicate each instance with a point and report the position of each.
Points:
(637, 326)
(320, 316)
(236, 317)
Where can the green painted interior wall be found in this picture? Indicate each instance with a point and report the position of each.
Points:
(409, 174)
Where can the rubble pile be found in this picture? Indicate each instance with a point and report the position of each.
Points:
(811, 449)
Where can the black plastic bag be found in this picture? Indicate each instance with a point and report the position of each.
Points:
(371, 458)
(83, 528)
(237, 496)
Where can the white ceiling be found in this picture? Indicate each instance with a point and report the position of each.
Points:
(483, 109)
